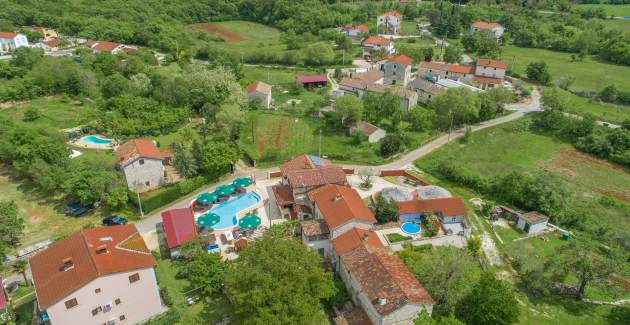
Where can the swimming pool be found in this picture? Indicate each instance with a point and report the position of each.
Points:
(97, 139)
(228, 210)
(410, 228)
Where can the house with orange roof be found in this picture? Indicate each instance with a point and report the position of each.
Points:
(100, 275)
(391, 21)
(10, 41)
(49, 45)
(460, 72)
(397, 70)
(261, 92)
(355, 33)
(496, 28)
(107, 46)
(376, 45)
(144, 164)
(490, 73)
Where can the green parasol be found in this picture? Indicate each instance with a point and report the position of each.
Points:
(249, 221)
(242, 182)
(224, 190)
(208, 220)
(207, 198)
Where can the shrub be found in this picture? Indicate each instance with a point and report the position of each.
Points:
(31, 114)
(391, 144)
(167, 195)
(394, 238)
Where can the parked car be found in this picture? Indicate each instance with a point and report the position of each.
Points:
(114, 221)
(76, 208)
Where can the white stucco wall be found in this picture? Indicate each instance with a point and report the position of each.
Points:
(10, 44)
(376, 136)
(490, 72)
(334, 233)
(151, 171)
(265, 99)
(455, 219)
(138, 301)
(326, 244)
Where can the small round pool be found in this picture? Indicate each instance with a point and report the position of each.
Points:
(410, 228)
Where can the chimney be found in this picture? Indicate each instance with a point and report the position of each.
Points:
(381, 300)
(365, 236)
(101, 249)
(337, 197)
(67, 264)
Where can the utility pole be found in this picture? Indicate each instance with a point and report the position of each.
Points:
(136, 186)
(320, 142)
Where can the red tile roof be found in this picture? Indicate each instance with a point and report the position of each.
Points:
(309, 79)
(487, 80)
(101, 46)
(433, 65)
(283, 194)
(7, 35)
(365, 128)
(382, 275)
(484, 25)
(139, 148)
(304, 162)
(179, 226)
(492, 63)
(362, 28)
(402, 59)
(55, 42)
(447, 207)
(377, 41)
(356, 238)
(332, 174)
(340, 204)
(456, 68)
(258, 86)
(391, 13)
(53, 283)
(314, 227)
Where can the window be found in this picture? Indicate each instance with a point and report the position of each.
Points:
(122, 317)
(117, 301)
(141, 161)
(71, 303)
(96, 310)
(134, 277)
(321, 251)
(97, 290)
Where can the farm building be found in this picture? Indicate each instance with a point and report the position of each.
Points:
(532, 222)
(373, 132)
(259, 91)
(312, 82)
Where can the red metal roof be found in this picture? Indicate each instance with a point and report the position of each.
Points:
(124, 250)
(179, 226)
(448, 207)
(309, 79)
(492, 63)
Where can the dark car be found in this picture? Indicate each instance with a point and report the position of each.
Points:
(76, 208)
(114, 221)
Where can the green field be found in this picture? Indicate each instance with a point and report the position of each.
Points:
(611, 10)
(602, 111)
(256, 37)
(55, 113)
(623, 25)
(590, 74)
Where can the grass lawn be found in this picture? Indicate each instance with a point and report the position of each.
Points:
(623, 25)
(253, 37)
(590, 74)
(610, 10)
(602, 111)
(207, 312)
(56, 113)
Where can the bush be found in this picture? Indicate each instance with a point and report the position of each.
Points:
(31, 114)
(391, 144)
(394, 238)
(169, 194)
(539, 71)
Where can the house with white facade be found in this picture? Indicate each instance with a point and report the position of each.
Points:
(450, 211)
(355, 33)
(373, 81)
(532, 222)
(496, 28)
(391, 21)
(107, 46)
(143, 164)
(98, 276)
(259, 91)
(373, 132)
(490, 73)
(374, 46)
(397, 70)
(50, 45)
(9, 41)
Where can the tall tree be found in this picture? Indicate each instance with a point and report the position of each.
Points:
(455, 107)
(347, 111)
(11, 226)
(201, 269)
(19, 266)
(278, 280)
(490, 302)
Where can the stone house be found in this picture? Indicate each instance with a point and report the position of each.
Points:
(259, 91)
(425, 89)
(432, 70)
(101, 275)
(460, 72)
(391, 20)
(532, 222)
(373, 132)
(495, 28)
(143, 164)
(397, 70)
(490, 73)
(9, 41)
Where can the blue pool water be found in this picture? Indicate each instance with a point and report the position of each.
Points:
(98, 140)
(228, 209)
(410, 228)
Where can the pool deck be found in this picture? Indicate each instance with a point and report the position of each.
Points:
(81, 143)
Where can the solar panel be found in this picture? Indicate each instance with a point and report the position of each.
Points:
(316, 160)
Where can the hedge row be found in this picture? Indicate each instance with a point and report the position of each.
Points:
(171, 193)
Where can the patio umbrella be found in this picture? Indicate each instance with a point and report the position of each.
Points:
(249, 221)
(242, 182)
(207, 198)
(208, 220)
(225, 190)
